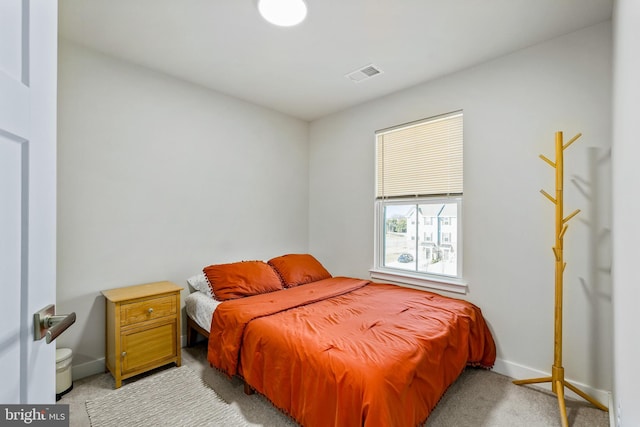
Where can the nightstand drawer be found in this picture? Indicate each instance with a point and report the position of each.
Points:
(152, 308)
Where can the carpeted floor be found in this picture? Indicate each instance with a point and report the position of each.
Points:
(477, 399)
(173, 397)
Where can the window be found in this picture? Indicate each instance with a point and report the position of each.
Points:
(419, 187)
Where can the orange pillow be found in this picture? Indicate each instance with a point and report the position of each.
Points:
(298, 269)
(241, 279)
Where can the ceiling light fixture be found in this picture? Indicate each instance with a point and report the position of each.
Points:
(284, 13)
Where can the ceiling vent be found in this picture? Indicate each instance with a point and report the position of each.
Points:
(364, 73)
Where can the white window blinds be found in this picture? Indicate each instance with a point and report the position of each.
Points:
(420, 159)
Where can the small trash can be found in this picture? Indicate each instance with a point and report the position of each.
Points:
(64, 384)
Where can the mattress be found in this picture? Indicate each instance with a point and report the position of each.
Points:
(200, 308)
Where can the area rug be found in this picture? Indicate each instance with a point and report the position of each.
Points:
(176, 397)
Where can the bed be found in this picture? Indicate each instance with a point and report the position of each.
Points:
(336, 351)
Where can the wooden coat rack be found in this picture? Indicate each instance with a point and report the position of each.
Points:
(557, 380)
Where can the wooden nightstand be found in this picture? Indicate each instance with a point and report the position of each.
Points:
(143, 328)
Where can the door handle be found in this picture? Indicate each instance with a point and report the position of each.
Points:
(48, 325)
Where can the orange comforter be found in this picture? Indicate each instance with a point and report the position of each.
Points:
(348, 352)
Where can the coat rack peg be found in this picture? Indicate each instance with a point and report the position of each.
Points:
(574, 213)
(564, 230)
(553, 165)
(571, 141)
(557, 379)
(548, 196)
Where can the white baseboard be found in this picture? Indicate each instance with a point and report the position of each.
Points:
(87, 369)
(612, 411)
(517, 371)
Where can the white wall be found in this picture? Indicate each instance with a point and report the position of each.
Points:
(158, 178)
(626, 208)
(512, 108)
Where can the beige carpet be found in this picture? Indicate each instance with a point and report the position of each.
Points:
(482, 398)
(478, 398)
(175, 397)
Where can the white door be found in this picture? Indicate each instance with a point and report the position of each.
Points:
(28, 74)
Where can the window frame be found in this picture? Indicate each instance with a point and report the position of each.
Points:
(383, 199)
(421, 280)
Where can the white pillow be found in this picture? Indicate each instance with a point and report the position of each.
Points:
(200, 283)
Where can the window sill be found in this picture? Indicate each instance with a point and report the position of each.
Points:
(449, 284)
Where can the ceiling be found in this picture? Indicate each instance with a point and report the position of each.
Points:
(226, 46)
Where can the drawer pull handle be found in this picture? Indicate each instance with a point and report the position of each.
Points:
(124, 353)
(150, 310)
